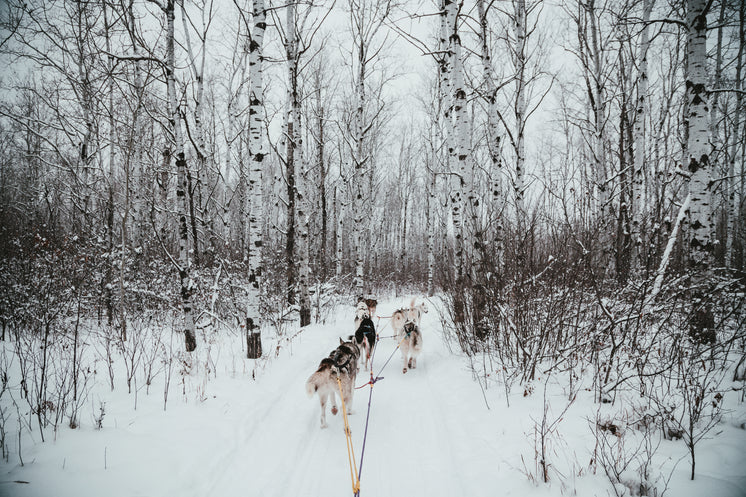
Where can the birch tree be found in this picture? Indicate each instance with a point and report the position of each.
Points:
(174, 128)
(737, 138)
(494, 147)
(197, 136)
(638, 171)
(459, 142)
(699, 167)
(295, 157)
(591, 52)
(366, 20)
(256, 148)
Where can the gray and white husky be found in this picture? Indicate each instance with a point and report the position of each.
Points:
(406, 325)
(341, 364)
(365, 330)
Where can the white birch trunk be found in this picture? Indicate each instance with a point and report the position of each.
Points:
(181, 204)
(661, 272)
(339, 231)
(698, 162)
(136, 172)
(256, 149)
(638, 171)
(595, 65)
(493, 137)
(360, 177)
(459, 153)
(430, 221)
(520, 110)
(199, 133)
(300, 173)
(732, 207)
(447, 23)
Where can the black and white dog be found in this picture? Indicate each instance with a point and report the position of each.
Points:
(365, 330)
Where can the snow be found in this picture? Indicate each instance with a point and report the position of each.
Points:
(433, 431)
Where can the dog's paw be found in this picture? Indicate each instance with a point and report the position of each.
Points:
(350, 411)
(404, 370)
(334, 411)
(324, 425)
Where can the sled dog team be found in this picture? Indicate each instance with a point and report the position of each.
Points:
(343, 362)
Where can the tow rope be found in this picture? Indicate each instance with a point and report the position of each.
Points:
(354, 475)
(371, 382)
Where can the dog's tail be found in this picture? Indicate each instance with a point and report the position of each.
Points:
(311, 385)
(411, 305)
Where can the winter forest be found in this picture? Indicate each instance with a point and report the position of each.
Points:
(195, 194)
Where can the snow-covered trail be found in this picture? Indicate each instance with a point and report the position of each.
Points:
(419, 437)
(430, 433)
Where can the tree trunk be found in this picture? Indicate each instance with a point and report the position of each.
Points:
(256, 126)
(360, 162)
(300, 171)
(460, 153)
(520, 111)
(181, 166)
(638, 171)
(700, 168)
(321, 158)
(430, 221)
(733, 210)
(493, 140)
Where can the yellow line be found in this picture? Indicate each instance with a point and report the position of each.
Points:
(348, 438)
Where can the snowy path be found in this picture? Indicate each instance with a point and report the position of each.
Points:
(418, 443)
(430, 434)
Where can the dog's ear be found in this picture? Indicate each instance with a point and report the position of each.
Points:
(341, 341)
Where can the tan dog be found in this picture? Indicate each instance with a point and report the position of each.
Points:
(341, 364)
(406, 325)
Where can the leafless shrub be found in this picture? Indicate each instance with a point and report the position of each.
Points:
(626, 445)
(98, 416)
(545, 434)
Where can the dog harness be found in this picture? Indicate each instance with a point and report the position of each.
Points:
(336, 355)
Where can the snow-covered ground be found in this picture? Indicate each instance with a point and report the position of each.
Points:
(433, 432)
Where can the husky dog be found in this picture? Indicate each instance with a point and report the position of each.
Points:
(411, 345)
(341, 364)
(406, 325)
(413, 314)
(365, 330)
(324, 382)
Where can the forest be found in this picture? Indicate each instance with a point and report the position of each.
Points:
(564, 178)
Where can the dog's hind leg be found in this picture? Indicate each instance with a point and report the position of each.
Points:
(335, 410)
(322, 398)
(348, 391)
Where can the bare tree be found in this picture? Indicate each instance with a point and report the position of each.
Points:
(641, 112)
(174, 128)
(256, 147)
(699, 167)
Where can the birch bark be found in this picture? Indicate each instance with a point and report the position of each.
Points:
(638, 172)
(520, 110)
(493, 135)
(700, 168)
(459, 140)
(256, 149)
(732, 207)
(185, 280)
